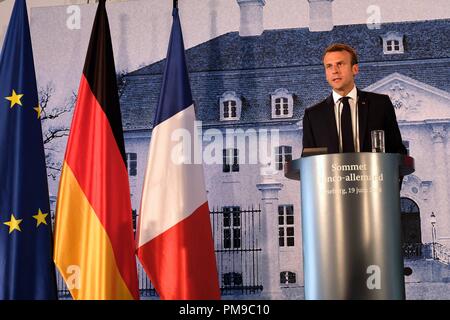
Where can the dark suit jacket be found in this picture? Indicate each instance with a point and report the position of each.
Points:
(375, 112)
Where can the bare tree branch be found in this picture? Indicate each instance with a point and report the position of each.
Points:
(54, 128)
(52, 131)
(53, 134)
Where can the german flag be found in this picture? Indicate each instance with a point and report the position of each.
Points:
(94, 243)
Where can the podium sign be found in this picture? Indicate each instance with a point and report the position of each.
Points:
(351, 225)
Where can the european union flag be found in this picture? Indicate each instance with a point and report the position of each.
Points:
(26, 267)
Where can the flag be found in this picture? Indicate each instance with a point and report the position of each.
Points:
(26, 267)
(174, 240)
(94, 243)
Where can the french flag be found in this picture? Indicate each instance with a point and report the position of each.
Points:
(174, 239)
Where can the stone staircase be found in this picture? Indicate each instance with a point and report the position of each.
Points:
(429, 273)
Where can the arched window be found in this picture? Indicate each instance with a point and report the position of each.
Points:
(411, 230)
(282, 104)
(393, 43)
(230, 106)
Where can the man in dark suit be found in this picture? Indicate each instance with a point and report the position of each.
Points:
(343, 122)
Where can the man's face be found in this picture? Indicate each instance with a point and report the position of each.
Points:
(339, 71)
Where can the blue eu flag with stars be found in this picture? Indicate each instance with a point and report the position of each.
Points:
(27, 271)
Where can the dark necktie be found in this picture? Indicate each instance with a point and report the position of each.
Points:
(346, 127)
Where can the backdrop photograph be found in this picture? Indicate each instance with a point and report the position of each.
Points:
(253, 68)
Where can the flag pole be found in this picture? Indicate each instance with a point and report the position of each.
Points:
(182, 242)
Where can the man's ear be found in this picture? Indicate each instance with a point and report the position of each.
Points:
(355, 69)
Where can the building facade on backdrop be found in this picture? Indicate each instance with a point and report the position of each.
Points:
(252, 82)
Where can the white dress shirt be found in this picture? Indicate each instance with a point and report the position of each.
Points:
(338, 105)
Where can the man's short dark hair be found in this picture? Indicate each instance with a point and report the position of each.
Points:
(342, 47)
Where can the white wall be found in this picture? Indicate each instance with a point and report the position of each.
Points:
(277, 13)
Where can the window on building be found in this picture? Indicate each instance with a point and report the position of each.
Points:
(132, 164)
(229, 109)
(230, 160)
(393, 43)
(230, 106)
(281, 107)
(287, 277)
(231, 227)
(282, 104)
(232, 279)
(282, 154)
(134, 217)
(410, 218)
(286, 232)
(411, 232)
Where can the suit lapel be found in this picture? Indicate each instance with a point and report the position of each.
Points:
(363, 111)
(331, 122)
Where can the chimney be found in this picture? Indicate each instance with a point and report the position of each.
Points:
(251, 17)
(320, 15)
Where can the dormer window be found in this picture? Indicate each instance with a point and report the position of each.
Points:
(393, 43)
(229, 109)
(282, 104)
(230, 106)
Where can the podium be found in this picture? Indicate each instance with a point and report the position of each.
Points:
(351, 224)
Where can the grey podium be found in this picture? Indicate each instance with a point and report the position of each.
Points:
(351, 224)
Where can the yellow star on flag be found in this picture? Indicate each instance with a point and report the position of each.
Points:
(40, 218)
(15, 99)
(38, 110)
(13, 224)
